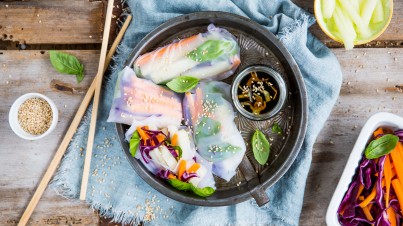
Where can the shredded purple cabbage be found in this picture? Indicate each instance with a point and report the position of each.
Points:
(349, 212)
(186, 176)
(163, 174)
(399, 133)
(173, 152)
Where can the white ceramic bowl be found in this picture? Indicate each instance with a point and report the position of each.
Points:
(13, 116)
(380, 119)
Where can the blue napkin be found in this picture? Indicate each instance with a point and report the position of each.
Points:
(115, 189)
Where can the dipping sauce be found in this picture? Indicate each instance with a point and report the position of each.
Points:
(258, 92)
(35, 116)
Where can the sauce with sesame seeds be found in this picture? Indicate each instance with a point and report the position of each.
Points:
(258, 93)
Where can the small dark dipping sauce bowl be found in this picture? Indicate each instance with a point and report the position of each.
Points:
(258, 92)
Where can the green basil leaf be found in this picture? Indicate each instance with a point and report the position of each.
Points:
(134, 143)
(185, 186)
(179, 150)
(260, 147)
(182, 84)
(180, 185)
(203, 192)
(206, 127)
(210, 50)
(381, 146)
(277, 129)
(67, 64)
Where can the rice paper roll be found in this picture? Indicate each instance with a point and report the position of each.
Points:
(137, 99)
(211, 116)
(210, 55)
(158, 161)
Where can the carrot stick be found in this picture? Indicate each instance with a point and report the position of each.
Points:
(367, 213)
(160, 137)
(360, 189)
(369, 198)
(387, 172)
(366, 209)
(194, 168)
(391, 216)
(174, 140)
(397, 162)
(397, 186)
(160, 52)
(171, 176)
(182, 168)
(142, 134)
(378, 131)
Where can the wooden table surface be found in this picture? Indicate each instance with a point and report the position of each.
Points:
(372, 82)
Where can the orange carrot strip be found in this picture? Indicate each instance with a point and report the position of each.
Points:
(160, 52)
(367, 213)
(174, 140)
(378, 131)
(182, 168)
(397, 187)
(369, 198)
(142, 134)
(360, 189)
(397, 162)
(171, 176)
(160, 137)
(391, 216)
(194, 168)
(387, 172)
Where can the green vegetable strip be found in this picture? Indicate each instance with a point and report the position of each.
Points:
(345, 28)
(378, 15)
(367, 10)
(348, 8)
(328, 8)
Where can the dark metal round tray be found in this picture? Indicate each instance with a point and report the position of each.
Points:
(258, 46)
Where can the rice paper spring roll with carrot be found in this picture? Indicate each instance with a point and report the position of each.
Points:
(170, 153)
(137, 99)
(211, 116)
(211, 55)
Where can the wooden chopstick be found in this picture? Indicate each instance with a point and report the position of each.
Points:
(70, 132)
(95, 103)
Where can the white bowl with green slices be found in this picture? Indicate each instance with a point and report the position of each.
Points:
(353, 22)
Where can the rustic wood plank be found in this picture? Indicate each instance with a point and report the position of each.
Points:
(23, 163)
(50, 22)
(393, 36)
(370, 77)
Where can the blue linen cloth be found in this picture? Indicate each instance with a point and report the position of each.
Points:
(115, 189)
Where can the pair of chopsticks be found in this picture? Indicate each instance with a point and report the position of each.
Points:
(94, 90)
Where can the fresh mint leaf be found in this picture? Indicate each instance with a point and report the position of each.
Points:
(277, 129)
(67, 64)
(134, 143)
(381, 146)
(182, 84)
(260, 147)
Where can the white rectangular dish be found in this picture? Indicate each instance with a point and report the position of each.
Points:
(377, 120)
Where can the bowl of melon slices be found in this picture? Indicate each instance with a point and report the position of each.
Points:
(353, 22)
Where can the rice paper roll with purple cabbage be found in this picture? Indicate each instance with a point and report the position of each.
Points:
(210, 55)
(137, 99)
(211, 116)
(161, 162)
